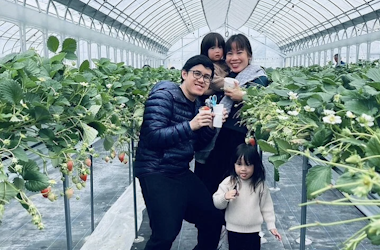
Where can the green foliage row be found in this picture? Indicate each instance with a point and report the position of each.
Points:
(52, 102)
(330, 115)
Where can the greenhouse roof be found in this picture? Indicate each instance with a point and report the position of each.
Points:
(161, 23)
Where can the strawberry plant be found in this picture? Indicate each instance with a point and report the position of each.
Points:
(52, 102)
(331, 114)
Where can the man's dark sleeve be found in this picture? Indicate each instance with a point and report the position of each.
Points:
(156, 130)
(204, 136)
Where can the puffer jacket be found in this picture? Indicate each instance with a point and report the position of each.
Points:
(167, 143)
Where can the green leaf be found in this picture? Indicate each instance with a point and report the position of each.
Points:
(121, 99)
(7, 191)
(94, 109)
(46, 134)
(375, 85)
(361, 106)
(3, 177)
(276, 76)
(20, 154)
(349, 181)
(353, 141)
(10, 91)
(283, 145)
(56, 110)
(266, 147)
(69, 45)
(34, 179)
(314, 103)
(89, 134)
(283, 93)
(19, 183)
(373, 149)
(318, 177)
(84, 66)
(138, 113)
(52, 43)
(41, 114)
(100, 127)
(71, 56)
(278, 160)
(108, 142)
(58, 58)
(374, 74)
(321, 137)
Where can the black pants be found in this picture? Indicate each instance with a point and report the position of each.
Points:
(243, 241)
(169, 200)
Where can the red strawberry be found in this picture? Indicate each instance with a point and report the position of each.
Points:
(45, 192)
(252, 141)
(88, 162)
(83, 177)
(70, 165)
(205, 108)
(121, 157)
(69, 193)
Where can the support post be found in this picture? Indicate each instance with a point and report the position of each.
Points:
(137, 238)
(92, 194)
(69, 238)
(302, 240)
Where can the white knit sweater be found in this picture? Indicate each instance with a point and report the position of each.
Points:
(246, 212)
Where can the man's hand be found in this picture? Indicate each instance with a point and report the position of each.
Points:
(202, 119)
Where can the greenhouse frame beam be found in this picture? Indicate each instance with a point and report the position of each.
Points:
(351, 23)
(19, 14)
(103, 18)
(375, 36)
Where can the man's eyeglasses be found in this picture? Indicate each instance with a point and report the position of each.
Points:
(198, 75)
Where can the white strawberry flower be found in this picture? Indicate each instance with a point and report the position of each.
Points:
(292, 95)
(365, 120)
(337, 98)
(84, 84)
(307, 108)
(328, 112)
(279, 111)
(332, 119)
(293, 112)
(283, 117)
(349, 114)
(109, 85)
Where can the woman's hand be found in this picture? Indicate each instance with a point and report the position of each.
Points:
(236, 94)
(225, 115)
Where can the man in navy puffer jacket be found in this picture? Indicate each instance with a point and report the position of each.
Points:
(172, 129)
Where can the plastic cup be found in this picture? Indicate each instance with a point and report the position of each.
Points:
(229, 83)
(218, 118)
(205, 109)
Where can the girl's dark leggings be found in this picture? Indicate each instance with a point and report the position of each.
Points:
(243, 241)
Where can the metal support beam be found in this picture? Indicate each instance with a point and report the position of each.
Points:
(17, 13)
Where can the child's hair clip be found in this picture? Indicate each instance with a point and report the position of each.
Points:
(252, 141)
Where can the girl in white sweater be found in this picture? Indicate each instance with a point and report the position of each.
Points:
(246, 199)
